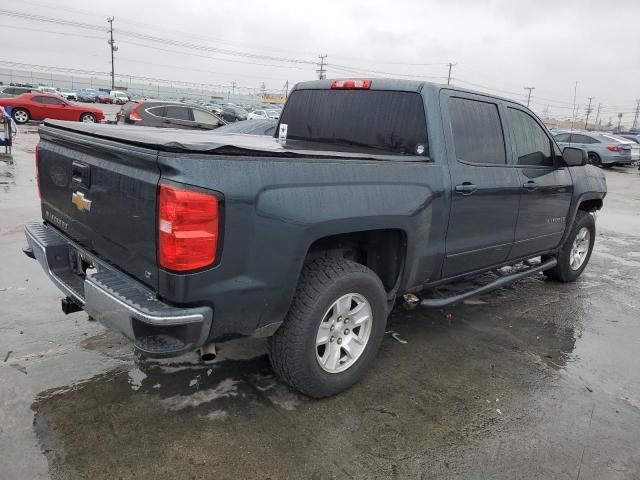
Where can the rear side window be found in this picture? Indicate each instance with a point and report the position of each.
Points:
(563, 137)
(532, 144)
(178, 113)
(477, 131)
(358, 120)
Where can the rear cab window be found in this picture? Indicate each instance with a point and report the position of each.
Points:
(374, 121)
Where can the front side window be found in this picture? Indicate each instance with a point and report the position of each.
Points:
(532, 144)
(563, 137)
(51, 101)
(477, 131)
(376, 121)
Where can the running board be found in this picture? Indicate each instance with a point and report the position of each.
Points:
(497, 283)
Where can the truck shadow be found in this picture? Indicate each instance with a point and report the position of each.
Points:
(450, 383)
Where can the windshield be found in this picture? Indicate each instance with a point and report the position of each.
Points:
(384, 121)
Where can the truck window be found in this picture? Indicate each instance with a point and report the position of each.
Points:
(532, 144)
(375, 120)
(477, 131)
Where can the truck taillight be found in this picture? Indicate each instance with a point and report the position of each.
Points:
(351, 84)
(134, 115)
(38, 171)
(188, 222)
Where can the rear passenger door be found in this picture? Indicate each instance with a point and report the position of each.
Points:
(485, 189)
(547, 186)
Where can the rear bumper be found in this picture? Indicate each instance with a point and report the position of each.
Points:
(118, 301)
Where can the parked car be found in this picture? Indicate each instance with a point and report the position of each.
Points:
(603, 149)
(633, 136)
(265, 126)
(262, 114)
(49, 90)
(38, 106)
(308, 238)
(103, 97)
(14, 91)
(119, 97)
(87, 95)
(69, 95)
(168, 115)
(234, 114)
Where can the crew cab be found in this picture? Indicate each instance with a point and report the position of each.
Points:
(371, 190)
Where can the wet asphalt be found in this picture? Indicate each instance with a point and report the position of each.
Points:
(538, 380)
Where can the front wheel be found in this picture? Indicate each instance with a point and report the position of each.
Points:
(20, 115)
(574, 255)
(88, 118)
(333, 330)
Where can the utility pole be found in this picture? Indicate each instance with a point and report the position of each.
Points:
(233, 88)
(589, 110)
(113, 48)
(286, 89)
(322, 73)
(635, 118)
(451, 65)
(619, 121)
(263, 88)
(531, 89)
(598, 113)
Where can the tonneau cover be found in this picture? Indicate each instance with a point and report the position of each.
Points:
(195, 141)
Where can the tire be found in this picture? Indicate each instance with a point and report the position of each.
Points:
(295, 350)
(594, 159)
(88, 118)
(565, 270)
(21, 115)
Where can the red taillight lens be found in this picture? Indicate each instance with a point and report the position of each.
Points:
(134, 115)
(38, 171)
(613, 148)
(187, 228)
(351, 84)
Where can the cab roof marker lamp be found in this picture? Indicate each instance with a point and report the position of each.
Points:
(351, 84)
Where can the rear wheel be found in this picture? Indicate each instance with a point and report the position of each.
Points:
(594, 159)
(333, 330)
(20, 115)
(574, 255)
(88, 118)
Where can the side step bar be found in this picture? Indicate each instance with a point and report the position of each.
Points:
(497, 283)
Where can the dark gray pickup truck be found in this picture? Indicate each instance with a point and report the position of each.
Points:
(371, 191)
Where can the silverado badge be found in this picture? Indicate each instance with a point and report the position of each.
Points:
(77, 198)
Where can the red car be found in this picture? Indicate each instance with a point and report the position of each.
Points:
(38, 106)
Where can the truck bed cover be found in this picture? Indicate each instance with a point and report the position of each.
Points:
(195, 141)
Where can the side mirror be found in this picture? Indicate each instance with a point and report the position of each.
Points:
(574, 157)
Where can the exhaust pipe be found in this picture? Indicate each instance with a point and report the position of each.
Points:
(208, 352)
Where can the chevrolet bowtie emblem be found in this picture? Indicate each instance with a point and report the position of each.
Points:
(77, 198)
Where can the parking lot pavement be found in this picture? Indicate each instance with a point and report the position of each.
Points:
(539, 380)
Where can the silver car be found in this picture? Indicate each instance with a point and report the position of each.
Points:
(603, 149)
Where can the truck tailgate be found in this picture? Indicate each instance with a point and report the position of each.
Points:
(102, 194)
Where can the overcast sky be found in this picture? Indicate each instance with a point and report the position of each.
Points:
(504, 45)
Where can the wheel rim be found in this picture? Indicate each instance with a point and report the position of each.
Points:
(593, 159)
(86, 118)
(21, 116)
(344, 333)
(580, 248)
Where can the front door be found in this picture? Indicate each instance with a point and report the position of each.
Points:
(485, 188)
(547, 187)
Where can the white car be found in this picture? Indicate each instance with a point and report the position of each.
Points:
(263, 114)
(119, 97)
(69, 95)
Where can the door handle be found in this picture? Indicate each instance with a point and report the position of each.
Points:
(466, 188)
(530, 186)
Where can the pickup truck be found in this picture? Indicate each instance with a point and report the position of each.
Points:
(371, 190)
